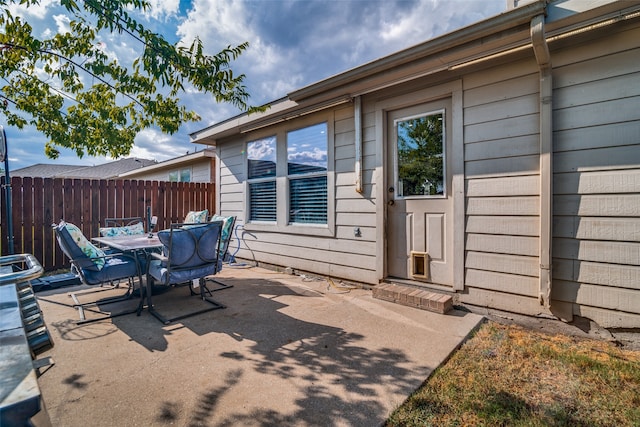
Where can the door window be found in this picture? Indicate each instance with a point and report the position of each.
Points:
(421, 156)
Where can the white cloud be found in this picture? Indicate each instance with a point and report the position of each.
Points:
(293, 43)
(38, 10)
(155, 145)
(62, 23)
(262, 149)
(217, 23)
(161, 9)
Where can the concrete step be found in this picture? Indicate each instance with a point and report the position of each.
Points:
(413, 297)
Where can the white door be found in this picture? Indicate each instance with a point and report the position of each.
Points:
(419, 196)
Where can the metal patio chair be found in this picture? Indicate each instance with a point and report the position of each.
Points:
(191, 252)
(95, 267)
(225, 239)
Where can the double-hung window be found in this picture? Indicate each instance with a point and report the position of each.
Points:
(289, 181)
(261, 173)
(307, 174)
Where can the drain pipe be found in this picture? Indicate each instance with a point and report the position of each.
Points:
(357, 123)
(543, 58)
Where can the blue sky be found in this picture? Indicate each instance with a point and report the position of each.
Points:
(293, 43)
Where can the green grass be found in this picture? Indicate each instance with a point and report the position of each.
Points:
(506, 375)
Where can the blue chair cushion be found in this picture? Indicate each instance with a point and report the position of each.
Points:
(191, 253)
(115, 268)
(184, 249)
(159, 272)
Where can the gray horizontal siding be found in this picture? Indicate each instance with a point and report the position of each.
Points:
(343, 255)
(596, 244)
(501, 186)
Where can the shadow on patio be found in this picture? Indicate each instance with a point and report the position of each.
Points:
(284, 352)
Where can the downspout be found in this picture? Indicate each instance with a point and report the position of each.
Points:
(357, 123)
(543, 58)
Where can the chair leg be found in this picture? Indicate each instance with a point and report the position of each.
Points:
(203, 288)
(220, 286)
(108, 300)
(84, 321)
(82, 307)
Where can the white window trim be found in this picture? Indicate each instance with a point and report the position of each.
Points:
(282, 224)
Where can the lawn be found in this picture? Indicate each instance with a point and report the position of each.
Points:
(506, 375)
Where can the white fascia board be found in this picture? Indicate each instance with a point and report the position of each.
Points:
(235, 124)
(188, 158)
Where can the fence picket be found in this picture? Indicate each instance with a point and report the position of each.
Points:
(37, 203)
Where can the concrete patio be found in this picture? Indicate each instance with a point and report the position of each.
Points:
(287, 351)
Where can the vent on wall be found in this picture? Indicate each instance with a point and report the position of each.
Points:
(420, 265)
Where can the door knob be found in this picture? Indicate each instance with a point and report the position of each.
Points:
(391, 189)
(391, 202)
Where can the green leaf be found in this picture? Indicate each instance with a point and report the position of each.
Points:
(80, 99)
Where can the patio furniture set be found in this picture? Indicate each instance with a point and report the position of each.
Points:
(185, 254)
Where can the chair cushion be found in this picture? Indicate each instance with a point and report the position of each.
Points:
(127, 230)
(196, 216)
(227, 223)
(159, 272)
(85, 246)
(192, 253)
(115, 268)
(184, 252)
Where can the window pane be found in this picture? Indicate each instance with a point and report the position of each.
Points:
(261, 155)
(308, 198)
(262, 201)
(307, 150)
(173, 176)
(420, 144)
(185, 175)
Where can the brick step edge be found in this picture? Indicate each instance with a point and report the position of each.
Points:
(413, 297)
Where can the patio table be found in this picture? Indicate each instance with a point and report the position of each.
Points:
(136, 245)
(131, 243)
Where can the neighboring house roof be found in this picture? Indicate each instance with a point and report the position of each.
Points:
(176, 162)
(42, 170)
(105, 171)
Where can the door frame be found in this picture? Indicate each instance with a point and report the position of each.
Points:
(452, 90)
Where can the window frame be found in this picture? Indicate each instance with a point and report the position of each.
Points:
(282, 224)
(259, 180)
(445, 154)
(179, 172)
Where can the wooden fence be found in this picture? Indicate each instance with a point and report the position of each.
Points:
(37, 203)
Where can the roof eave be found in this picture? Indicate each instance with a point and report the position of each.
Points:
(370, 76)
(188, 158)
(499, 23)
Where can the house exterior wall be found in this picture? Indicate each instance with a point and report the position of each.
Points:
(596, 184)
(596, 248)
(336, 253)
(596, 245)
(202, 170)
(502, 187)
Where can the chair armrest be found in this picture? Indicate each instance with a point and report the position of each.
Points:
(157, 256)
